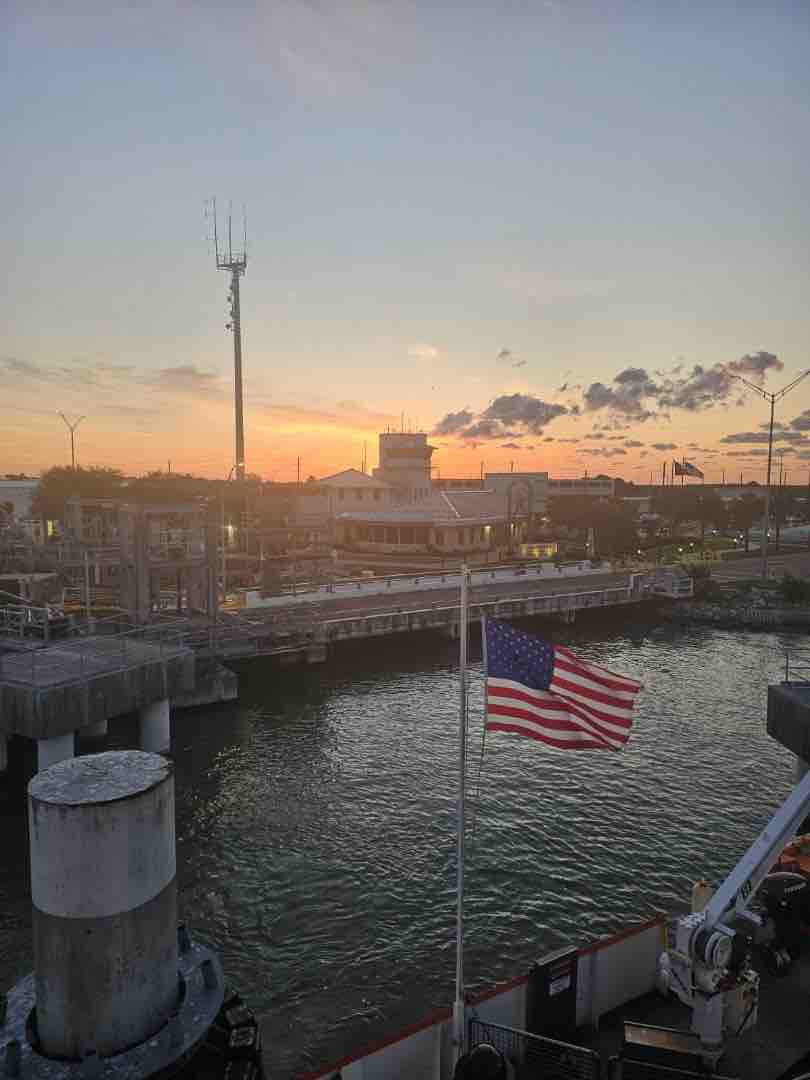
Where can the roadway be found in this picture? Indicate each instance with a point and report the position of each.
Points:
(749, 569)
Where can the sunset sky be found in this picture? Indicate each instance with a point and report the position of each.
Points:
(547, 231)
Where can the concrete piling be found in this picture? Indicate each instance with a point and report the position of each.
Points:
(57, 748)
(154, 725)
(104, 894)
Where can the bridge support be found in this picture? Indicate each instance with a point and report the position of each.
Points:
(96, 731)
(103, 887)
(3, 753)
(57, 748)
(154, 726)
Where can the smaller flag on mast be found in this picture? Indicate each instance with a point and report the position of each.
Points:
(546, 692)
(686, 469)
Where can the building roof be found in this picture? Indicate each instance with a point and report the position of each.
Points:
(352, 478)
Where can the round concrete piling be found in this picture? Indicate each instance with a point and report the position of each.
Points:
(104, 895)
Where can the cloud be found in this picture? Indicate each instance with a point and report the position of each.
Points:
(762, 437)
(625, 397)
(756, 365)
(484, 429)
(594, 435)
(746, 453)
(664, 446)
(512, 446)
(453, 422)
(185, 379)
(633, 444)
(607, 451)
(423, 352)
(634, 394)
(506, 356)
(802, 421)
(530, 412)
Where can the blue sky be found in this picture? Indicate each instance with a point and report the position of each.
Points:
(585, 187)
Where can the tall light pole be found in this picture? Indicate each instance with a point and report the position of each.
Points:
(772, 398)
(222, 523)
(72, 429)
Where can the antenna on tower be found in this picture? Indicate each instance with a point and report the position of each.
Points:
(235, 262)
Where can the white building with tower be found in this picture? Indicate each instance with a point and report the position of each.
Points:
(405, 464)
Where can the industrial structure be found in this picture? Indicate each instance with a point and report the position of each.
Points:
(235, 262)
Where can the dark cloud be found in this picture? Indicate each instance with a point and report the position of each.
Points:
(506, 356)
(549, 438)
(625, 396)
(484, 429)
(801, 422)
(634, 394)
(595, 435)
(511, 446)
(530, 412)
(453, 422)
(762, 437)
(607, 451)
(755, 365)
(633, 444)
(664, 446)
(746, 453)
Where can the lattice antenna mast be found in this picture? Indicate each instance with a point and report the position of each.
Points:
(235, 262)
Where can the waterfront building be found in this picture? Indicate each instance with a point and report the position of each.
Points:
(444, 523)
(19, 492)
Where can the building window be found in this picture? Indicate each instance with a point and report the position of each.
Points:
(391, 536)
(359, 494)
(379, 534)
(461, 537)
(421, 534)
(341, 493)
(406, 535)
(440, 537)
(376, 494)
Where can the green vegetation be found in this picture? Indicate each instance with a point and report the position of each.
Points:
(795, 590)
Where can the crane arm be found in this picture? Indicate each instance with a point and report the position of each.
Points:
(738, 889)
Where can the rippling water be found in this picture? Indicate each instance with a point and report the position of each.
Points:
(316, 823)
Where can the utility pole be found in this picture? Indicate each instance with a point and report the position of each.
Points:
(72, 429)
(772, 398)
(235, 262)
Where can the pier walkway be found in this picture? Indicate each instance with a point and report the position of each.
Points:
(49, 691)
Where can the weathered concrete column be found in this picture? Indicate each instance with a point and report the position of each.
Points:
(3, 753)
(95, 731)
(800, 770)
(155, 727)
(58, 748)
(104, 895)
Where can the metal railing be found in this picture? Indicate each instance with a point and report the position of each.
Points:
(797, 667)
(537, 1056)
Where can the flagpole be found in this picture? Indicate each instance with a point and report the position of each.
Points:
(463, 633)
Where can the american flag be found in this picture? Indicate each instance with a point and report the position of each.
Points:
(546, 692)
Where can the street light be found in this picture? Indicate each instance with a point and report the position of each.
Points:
(772, 398)
(72, 429)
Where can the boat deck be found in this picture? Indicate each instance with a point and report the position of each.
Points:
(776, 1048)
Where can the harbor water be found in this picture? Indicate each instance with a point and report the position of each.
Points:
(316, 822)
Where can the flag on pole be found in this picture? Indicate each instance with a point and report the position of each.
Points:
(546, 692)
(686, 469)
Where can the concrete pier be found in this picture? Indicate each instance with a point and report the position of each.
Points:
(103, 888)
(57, 748)
(97, 730)
(154, 725)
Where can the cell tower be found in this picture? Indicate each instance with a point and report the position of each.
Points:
(235, 262)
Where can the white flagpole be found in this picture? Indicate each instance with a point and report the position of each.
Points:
(463, 633)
